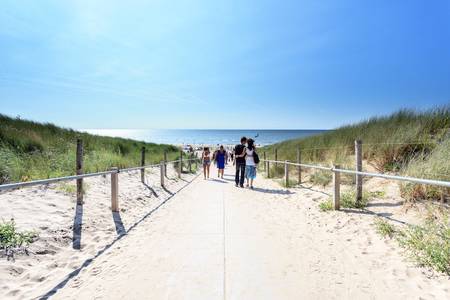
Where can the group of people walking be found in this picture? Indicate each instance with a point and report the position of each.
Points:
(243, 156)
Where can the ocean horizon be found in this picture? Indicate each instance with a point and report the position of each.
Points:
(207, 136)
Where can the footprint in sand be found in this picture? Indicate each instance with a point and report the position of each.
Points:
(96, 270)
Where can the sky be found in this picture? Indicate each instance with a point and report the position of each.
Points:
(221, 64)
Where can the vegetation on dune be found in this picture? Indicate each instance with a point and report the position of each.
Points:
(12, 240)
(427, 244)
(31, 150)
(384, 228)
(348, 200)
(326, 205)
(414, 143)
(321, 177)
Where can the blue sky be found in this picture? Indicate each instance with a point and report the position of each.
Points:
(221, 64)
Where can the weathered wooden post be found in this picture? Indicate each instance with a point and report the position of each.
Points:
(181, 164)
(299, 168)
(286, 173)
(358, 181)
(268, 170)
(265, 164)
(162, 165)
(190, 163)
(165, 162)
(276, 157)
(337, 188)
(143, 164)
(79, 171)
(115, 190)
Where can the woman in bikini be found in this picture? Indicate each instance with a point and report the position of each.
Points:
(206, 159)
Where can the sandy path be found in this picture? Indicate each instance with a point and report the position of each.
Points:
(215, 241)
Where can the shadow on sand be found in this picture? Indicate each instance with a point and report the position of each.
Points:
(365, 211)
(218, 180)
(119, 228)
(151, 189)
(273, 191)
(77, 227)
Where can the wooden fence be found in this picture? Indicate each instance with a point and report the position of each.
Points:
(113, 172)
(358, 173)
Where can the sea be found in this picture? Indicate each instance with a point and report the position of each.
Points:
(262, 137)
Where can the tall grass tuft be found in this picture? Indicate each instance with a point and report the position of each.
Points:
(429, 244)
(31, 150)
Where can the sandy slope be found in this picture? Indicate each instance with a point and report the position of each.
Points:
(53, 214)
(215, 241)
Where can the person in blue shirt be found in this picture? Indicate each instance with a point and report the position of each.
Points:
(221, 157)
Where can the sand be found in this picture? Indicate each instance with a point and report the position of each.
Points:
(212, 240)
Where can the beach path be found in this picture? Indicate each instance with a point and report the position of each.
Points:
(213, 240)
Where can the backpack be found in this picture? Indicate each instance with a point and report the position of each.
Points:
(255, 157)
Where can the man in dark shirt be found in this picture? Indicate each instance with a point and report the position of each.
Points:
(240, 162)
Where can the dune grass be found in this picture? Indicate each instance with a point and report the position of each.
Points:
(326, 205)
(31, 150)
(12, 240)
(321, 177)
(427, 244)
(384, 228)
(410, 142)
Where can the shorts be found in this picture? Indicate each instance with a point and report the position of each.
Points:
(250, 172)
(206, 163)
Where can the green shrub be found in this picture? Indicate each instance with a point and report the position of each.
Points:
(348, 198)
(276, 171)
(291, 183)
(321, 177)
(11, 240)
(326, 205)
(429, 245)
(384, 228)
(434, 165)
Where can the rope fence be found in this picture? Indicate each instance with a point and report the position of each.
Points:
(113, 172)
(337, 170)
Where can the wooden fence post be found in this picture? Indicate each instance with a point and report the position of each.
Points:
(162, 165)
(265, 164)
(299, 161)
(268, 170)
(358, 181)
(79, 171)
(337, 189)
(276, 157)
(190, 163)
(115, 190)
(286, 173)
(143, 164)
(165, 163)
(181, 164)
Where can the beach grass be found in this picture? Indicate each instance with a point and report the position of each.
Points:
(321, 177)
(31, 150)
(384, 228)
(407, 142)
(12, 240)
(326, 205)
